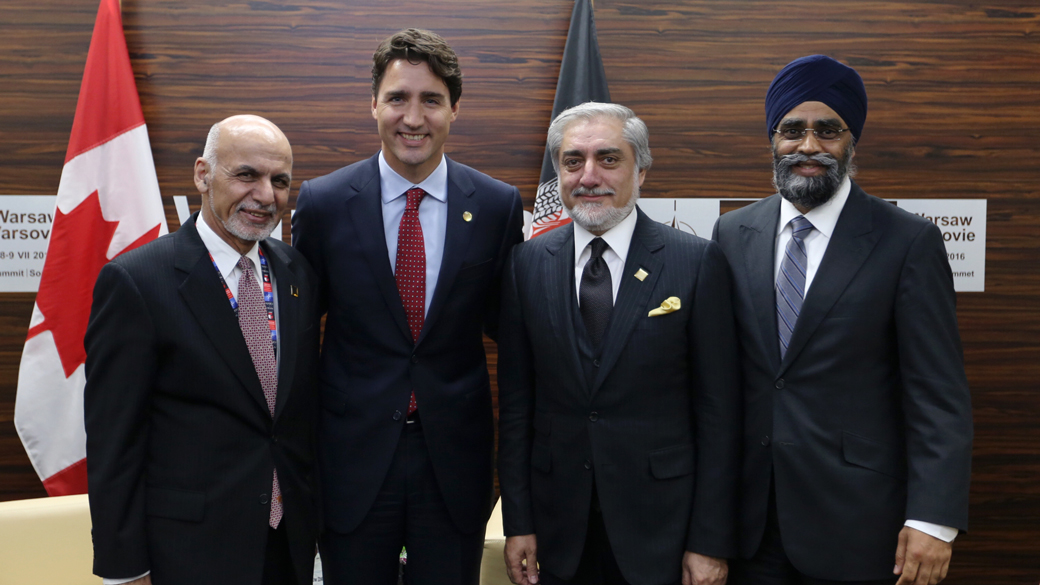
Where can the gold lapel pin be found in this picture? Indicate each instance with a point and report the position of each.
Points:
(641, 274)
(467, 216)
(294, 290)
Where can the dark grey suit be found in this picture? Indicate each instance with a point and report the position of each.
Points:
(866, 421)
(654, 417)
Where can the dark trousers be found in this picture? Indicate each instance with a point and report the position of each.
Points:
(278, 565)
(598, 565)
(409, 511)
(770, 565)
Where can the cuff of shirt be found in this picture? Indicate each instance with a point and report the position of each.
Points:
(121, 581)
(943, 533)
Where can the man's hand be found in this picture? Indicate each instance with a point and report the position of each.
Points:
(522, 559)
(921, 559)
(701, 570)
(146, 580)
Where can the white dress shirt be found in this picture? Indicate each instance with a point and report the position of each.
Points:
(824, 218)
(433, 215)
(618, 239)
(226, 259)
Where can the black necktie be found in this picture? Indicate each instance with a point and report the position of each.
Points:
(596, 295)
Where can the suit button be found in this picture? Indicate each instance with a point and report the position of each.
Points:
(264, 499)
(588, 464)
(397, 415)
(274, 439)
(415, 359)
(780, 384)
(765, 441)
(595, 363)
(594, 416)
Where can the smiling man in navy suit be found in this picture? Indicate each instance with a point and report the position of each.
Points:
(409, 247)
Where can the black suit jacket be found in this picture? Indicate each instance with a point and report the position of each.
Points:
(866, 422)
(369, 363)
(658, 427)
(181, 446)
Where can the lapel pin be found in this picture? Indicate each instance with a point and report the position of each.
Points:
(467, 216)
(294, 290)
(641, 274)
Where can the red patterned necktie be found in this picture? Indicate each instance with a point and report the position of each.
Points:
(410, 269)
(256, 329)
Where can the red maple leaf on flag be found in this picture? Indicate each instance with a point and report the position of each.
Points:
(78, 245)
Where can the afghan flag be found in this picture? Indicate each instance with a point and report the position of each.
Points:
(581, 80)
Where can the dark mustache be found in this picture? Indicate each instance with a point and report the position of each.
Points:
(789, 160)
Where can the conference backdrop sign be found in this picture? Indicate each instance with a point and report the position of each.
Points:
(25, 224)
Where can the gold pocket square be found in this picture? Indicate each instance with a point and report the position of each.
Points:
(670, 305)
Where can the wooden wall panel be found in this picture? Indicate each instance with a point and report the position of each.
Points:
(953, 89)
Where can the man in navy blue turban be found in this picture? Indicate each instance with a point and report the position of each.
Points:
(857, 414)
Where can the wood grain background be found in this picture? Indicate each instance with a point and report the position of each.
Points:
(954, 88)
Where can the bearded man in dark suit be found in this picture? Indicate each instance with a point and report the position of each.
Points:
(857, 415)
(618, 392)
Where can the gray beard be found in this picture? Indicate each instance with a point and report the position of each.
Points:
(595, 217)
(242, 231)
(810, 192)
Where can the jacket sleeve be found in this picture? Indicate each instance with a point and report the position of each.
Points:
(516, 409)
(936, 399)
(717, 409)
(120, 370)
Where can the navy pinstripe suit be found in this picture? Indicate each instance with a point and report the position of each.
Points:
(655, 422)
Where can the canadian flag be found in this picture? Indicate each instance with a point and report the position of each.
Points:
(108, 203)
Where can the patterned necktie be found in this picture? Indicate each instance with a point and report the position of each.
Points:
(410, 269)
(790, 282)
(253, 319)
(596, 295)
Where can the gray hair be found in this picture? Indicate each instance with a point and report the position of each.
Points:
(209, 152)
(633, 130)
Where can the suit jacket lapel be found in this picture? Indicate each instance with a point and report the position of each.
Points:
(759, 244)
(853, 239)
(558, 278)
(288, 321)
(633, 294)
(457, 235)
(365, 208)
(202, 292)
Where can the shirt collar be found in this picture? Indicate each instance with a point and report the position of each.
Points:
(394, 185)
(824, 217)
(223, 254)
(618, 237)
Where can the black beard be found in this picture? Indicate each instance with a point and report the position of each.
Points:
(809, 192)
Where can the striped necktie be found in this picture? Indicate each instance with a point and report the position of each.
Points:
(790, 282)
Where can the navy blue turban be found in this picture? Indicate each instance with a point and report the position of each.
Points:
(817, 78)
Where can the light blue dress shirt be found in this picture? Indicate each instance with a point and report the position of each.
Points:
(433, 215)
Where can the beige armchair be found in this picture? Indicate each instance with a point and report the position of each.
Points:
(46, 541)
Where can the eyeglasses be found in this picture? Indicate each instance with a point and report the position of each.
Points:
(798, 134)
